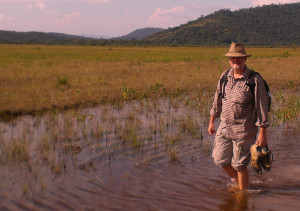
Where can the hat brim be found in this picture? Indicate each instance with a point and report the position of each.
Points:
(237, 55)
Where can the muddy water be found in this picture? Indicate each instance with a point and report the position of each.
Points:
(140, 156)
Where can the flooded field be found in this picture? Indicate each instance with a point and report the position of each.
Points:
(151, 155)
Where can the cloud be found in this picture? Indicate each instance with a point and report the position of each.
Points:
(42, 7)
(167, 17)
(71, 17)
(267, 2)
(37, 6)
(173, 12)
(181, 14)
(5, 18)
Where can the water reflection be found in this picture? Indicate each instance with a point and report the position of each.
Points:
(140, 156)
(235, 202)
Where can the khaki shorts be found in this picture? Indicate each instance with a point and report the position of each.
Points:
(228, 151)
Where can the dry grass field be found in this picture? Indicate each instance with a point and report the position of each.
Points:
(35, 79)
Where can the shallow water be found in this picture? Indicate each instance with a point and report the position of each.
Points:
(140, 156)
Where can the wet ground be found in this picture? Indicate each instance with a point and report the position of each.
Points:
(140, 156)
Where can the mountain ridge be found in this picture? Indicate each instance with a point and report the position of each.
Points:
(139, 34)
(35, 37)
(268, 25)
(265, 25)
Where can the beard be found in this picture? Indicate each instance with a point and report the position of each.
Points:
(237, 67)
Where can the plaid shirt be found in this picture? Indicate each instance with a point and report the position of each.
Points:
(240, 110)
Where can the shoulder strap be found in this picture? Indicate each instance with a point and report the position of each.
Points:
(226, 74)
(223, 82)
(251, 84)
(251, 81)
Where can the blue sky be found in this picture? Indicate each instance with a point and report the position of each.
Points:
(110, 17)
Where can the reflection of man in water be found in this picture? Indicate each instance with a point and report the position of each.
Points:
(241, 112)
(235, 202)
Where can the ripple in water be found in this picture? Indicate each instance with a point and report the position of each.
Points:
(140, 156)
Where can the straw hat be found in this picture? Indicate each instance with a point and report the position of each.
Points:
(237, 50)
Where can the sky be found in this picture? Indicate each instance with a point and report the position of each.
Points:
(110, 18)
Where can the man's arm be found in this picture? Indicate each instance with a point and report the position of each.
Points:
(261, 99)
(211, 126)
(262, 137)
(216, 109)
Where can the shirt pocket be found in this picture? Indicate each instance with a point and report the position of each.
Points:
(242, 94)
(241, 99)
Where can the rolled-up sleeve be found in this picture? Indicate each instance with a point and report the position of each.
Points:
(217, 103)
(261, 103)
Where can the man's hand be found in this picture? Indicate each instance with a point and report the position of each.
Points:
(262, 137)
(211, 126)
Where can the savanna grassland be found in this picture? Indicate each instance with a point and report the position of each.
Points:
(35, 79)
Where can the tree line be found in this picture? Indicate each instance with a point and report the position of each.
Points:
(270, 25)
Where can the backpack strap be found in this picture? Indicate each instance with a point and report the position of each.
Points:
(223, 82)
(251, 83)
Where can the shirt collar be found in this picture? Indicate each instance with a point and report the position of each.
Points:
(245, 74)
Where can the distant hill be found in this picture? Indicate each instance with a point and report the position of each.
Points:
(264, 26)
(41, 38)
(95, 36)
(270, 25)
(139, 34)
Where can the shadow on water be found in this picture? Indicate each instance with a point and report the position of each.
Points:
(152, 155)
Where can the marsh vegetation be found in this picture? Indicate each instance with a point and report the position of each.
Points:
(126, 127)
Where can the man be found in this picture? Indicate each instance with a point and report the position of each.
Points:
(241, 112)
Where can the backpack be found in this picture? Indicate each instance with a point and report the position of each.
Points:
(250, 82)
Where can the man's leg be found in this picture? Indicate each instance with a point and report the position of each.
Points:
(241, 158)
(243, 178)
(231, 172)
(240, 177)
(222, 152)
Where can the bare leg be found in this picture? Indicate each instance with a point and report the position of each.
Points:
(243, 178)
(231, 172)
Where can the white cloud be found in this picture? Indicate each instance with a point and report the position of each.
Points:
(267, 2)
(167, 17)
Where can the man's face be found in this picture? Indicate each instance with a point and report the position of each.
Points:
(237, 63)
